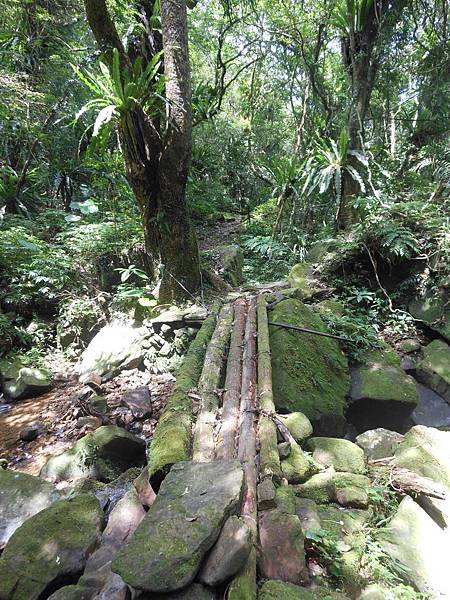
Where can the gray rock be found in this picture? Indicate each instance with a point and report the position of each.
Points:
(432, 410)
(284, 449)
(266, 494)
(233, 263)
(21, 497)
(30, 432)
(26, 382)
(434, 312)
(183, 523)
(379, 443)
(196, 591)
(414, 540)
(138, 401)
(434, 368)
(351, 490)
(89, 422)
(103, 454)
(53, 545)
(229, 554)
(116, 346)
(426, 451)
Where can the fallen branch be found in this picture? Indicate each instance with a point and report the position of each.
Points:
(203, 447)
(226, 443)
(267, 431)
(408, 482)
(312, 331)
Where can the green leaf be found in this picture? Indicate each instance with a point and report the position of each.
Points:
(147, 302)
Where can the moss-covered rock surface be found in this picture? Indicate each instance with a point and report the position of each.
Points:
(280, 590)
(52, 546)
(342, 454)
(165, 552)
(103, 454)
(310, 372)
(434, 368)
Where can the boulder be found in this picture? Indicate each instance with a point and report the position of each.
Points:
(195, 499)
(229, 554)
(382, 394)
(421, 547)
(284, 449)
(195, 591)
(280, 590)
(351, 490)
(281, 547)
(50, 548)
(298, 279)
(434, 369)
(233, 264)
(434, 312)
(426, 451)
(342, 454)
(31, 432)
(22, 382)
(330, 307)
(310, 372)
(116, 346)
(138, 401)
(21, 497)
(319, 488)
(379, 443)
(298, 466)
(432, 410)
(266, 494)
(103, 454)
(410, 345)
(298, 424)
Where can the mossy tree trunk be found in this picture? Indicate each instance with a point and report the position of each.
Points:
(158, 151)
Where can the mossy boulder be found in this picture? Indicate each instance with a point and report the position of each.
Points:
(21, 381)
(298, 424)
(103, 454)
(21, 496)
(410, 345)
(50, 548)
(166, 550)
(351, 490)
(420, 547)
(382, 394)
(434, 369)
(233, 264)
(285, 499)
(434, 311)
(342, 454)
(426, 451)
(280, 590)
(332, 307)
(319, 488)
(298, 466)
(298, 278)
(309, 372)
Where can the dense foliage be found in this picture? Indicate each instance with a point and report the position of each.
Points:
(276, 91)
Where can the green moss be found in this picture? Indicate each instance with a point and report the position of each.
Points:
(298, 424)
(310, 372)
(285, 499)
(330, 306)
(387, 383)
(434, 312)
(384, 355)
(342, 454)
(243, 587)
(172, 439)
(437, 359)
(410, 345)
(319, 488)
(351, 490)
(280, 590)
(298, 467)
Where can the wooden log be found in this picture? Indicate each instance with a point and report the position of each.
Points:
(173, 435)
(407, 482)
(226, 442)
(208, 387)
(243, 587)
(269, 460)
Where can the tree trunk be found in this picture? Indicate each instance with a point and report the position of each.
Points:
(158, 154)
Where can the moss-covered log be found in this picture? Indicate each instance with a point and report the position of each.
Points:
(204, 446)
(267, 431)
(226, 443)
(244, 585)
(173, 435)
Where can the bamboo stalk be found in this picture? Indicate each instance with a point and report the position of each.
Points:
(267, 432)
(243, 587)
(226, 443)
(208, 387)
(172, 439)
